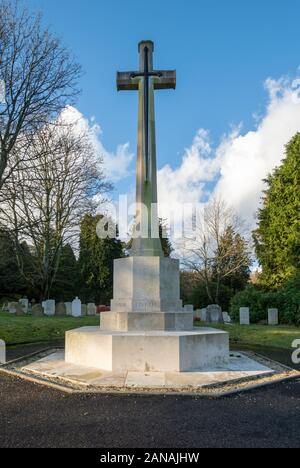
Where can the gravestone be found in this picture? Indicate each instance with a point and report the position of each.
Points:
(24, 304)
(244, 316)
(83, 310)
(68, 308)
(37, 310)
(11, 307)
(60, 309)
(188, 308)
(19, 310)
(91, 309)
(16, 308)
(76, 307)
(214, 314)
(49, 308)
(2, 352)
(273, 317)
(203, 315)
(226, 317)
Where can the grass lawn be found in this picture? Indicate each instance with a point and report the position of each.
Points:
(17, 330)
(260, 335)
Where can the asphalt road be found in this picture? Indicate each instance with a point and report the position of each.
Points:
(37, 416)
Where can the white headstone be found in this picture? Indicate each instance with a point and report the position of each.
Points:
(76, 307)
(244, 316)
(273, 316)
(15, 308)
(214, 314)
(226, 317)
(91, 309)
(24, 303)
(203, 315)
(68, 308)
(2, 352)
(49, 307)
(11, 307)
(188, 308)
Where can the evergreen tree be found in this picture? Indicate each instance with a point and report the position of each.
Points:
(11, 282)
(96, 259)
(66, 284)
(233, 260)
(277, 238)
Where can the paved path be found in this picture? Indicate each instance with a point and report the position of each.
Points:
(36, 416)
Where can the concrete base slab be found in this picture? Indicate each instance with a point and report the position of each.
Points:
(155, 351)
(240, 367)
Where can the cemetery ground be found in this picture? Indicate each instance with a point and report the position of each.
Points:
(273, 342)
(27, 330)
(38, 416)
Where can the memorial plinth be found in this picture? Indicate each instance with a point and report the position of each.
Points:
(147, 329)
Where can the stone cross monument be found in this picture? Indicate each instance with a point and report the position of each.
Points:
(146, 240)
(147, 328)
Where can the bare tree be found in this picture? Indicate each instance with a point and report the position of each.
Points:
(45, 204)
(218, 247)
(39, 76)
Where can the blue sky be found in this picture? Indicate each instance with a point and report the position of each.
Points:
(223, 52)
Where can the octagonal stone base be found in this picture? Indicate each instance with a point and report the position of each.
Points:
(147, 351)
(146, 321)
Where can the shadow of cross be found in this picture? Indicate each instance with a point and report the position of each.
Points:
(145, 81)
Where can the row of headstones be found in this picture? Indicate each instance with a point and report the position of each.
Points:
(211, 314)
(50, 308)
(214, 314)
(74, 308)
(273, 317)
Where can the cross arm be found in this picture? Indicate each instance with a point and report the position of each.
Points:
(165, 79)
(129, 81)
(125, 82)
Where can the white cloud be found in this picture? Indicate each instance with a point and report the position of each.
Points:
(236, 168)
(186, 184)
(233, 170)
(116, 164)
